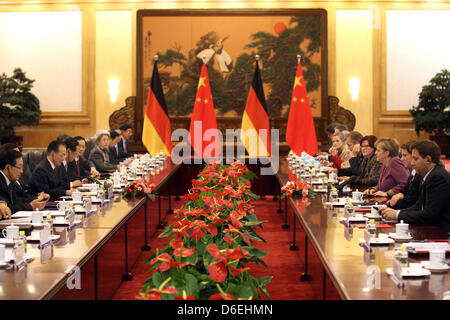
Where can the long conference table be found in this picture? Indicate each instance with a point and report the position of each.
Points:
(109, 242)
(349, 266)
(104, 248)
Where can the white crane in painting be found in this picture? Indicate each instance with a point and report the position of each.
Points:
(222, 57)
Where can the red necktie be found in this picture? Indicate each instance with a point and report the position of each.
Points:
(78, 167)
(125, 149)
(55, 170)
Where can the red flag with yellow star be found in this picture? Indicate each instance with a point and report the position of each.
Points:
(203, 132)
(300, 132)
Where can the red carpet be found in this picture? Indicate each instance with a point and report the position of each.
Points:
(284, 265)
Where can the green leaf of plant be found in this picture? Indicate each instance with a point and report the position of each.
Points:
(167, 231)
(192, 286)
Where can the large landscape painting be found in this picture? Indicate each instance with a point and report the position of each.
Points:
(229, 41)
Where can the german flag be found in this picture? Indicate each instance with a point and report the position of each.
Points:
(156, 134)
(255, 130)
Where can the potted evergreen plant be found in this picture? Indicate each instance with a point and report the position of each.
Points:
(18, 106)
(432, 114)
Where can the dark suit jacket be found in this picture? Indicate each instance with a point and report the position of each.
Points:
(101, 160)
(71, 174)
(85, 166)
(435, 200)
(114, 156)
(410, 191)
(122, 153)
(355, 167)
(44, 179)
(13, 202)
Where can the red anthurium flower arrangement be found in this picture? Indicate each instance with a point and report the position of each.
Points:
(210, 241)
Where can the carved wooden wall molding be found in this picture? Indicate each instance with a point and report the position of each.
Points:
(339, 114)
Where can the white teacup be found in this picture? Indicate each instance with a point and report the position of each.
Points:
(415, 267)
(2, 253)
(60, 219)
(62, 205)
(437, 259)
(94, 187)
(76, 196)
(357, 196)
(401, 229)
(11, 232)
(333, 176)
(359, 216)
(36, 217)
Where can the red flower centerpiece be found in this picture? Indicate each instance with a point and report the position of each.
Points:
(297, 189)
(139, 188)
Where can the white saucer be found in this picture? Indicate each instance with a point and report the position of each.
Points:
(373, 216)
(406, 272)
(394, 236)
(52, 237)
(3, 264)
(438, 270)
(37, 224)
(353, 219)
(6, 241)
(320, 190)
(378, 241)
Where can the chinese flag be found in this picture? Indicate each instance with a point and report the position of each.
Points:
(156, 133)
(204, 119)
(300, 132)
(255, 130)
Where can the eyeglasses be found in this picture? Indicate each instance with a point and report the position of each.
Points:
(20, 168)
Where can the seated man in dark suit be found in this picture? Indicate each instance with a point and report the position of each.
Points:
(11, 168)
(48, 176)
(112, 151)
(433, 204)
(70, 171)
(84, 166)
(122, 147)
(19, 185)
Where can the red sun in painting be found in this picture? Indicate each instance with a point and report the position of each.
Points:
(279, 27)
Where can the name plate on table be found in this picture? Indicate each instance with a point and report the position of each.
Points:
(367, 237)
(45, 237)
(397, 276)
(19, 256)
(46, 253)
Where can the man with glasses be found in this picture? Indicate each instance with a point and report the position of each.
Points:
(11, 168)
(49, 175)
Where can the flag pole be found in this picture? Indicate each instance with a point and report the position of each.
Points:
(156, 58)
(257, 57)
(299, 58)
